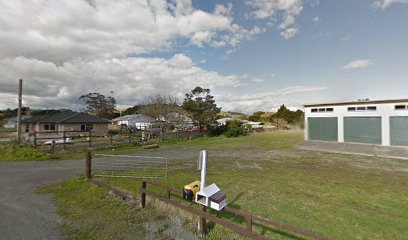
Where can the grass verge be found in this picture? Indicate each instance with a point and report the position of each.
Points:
(92, 213)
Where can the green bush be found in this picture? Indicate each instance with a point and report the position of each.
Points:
(10, 153)
(235, 129)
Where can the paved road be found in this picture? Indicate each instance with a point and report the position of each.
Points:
(24, 214)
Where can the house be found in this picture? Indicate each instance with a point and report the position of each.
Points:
(65, 121)
(138, 121)
(11, 123)
(223, 121)
(180, 121)
(383, 122)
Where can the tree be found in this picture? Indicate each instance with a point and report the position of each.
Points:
(256, 116)
(133, 110)
(161, 108)
(201, 105)
(285, 116)
(98, 104)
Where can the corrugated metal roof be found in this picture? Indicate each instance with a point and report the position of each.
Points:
(135, 118)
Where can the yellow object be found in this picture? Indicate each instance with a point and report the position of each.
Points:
(190, 190)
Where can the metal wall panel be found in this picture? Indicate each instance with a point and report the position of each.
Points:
(362, 129)
(399, 131)
(322, 128)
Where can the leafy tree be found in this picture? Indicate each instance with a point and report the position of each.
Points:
(285, 116)
(256, 116)
(133, 110)
(41, 112)
(201, 105)
(98, 104)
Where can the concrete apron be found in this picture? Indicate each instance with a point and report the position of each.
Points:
(356, 149)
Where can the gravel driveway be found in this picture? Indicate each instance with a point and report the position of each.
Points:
(23, 213)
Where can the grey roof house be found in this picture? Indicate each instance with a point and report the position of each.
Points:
(138, 121)
(65, 121)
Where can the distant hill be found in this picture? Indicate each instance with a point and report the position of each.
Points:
(234, 115)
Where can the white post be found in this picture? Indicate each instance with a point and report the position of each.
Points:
(203, 168)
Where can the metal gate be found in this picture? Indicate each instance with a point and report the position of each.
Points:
(129, 166)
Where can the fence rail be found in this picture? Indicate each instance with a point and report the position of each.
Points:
(249, 218)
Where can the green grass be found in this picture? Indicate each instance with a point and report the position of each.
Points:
(8, 153)
(339, 196)
(91, 213)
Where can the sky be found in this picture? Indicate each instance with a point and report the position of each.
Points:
(254, 55)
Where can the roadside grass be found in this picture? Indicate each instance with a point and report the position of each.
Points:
(92, 213)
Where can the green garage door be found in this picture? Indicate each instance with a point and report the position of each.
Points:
(320, 128)
(362, 129)
(399, 131)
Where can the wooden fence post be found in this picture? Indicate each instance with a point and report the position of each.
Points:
(88, 165)
(90, 138)
(143, 195)
(202, 223)
(249, 223)
(35, 139)
(52, 146)
(64, 141)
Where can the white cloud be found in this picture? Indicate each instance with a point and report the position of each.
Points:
(383, 4)
(66, 29)
(282, 11)
(356, 64)
(266, 101)
(132, 79)
(290, 32)
(316, 20)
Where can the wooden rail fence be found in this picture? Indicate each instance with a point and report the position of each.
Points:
(203, 215)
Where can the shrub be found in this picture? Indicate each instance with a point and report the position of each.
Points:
(235, 129)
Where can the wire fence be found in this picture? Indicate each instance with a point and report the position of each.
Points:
(129, 166)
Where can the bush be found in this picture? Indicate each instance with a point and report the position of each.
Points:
(235, 129)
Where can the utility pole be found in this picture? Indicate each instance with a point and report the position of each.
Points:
(20, 99)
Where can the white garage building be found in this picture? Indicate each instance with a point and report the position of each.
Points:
(383, 122)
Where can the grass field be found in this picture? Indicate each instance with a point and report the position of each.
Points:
(339, 196)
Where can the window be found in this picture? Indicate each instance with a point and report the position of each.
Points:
(315, 110)
(351, 109)
(27, 128)
(400, 107)
(361, 108)
(49, 127)
(86, 127)
(371, 108)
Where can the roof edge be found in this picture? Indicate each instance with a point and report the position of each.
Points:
(357, 103)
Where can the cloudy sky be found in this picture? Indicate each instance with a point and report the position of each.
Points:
(252, 54)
